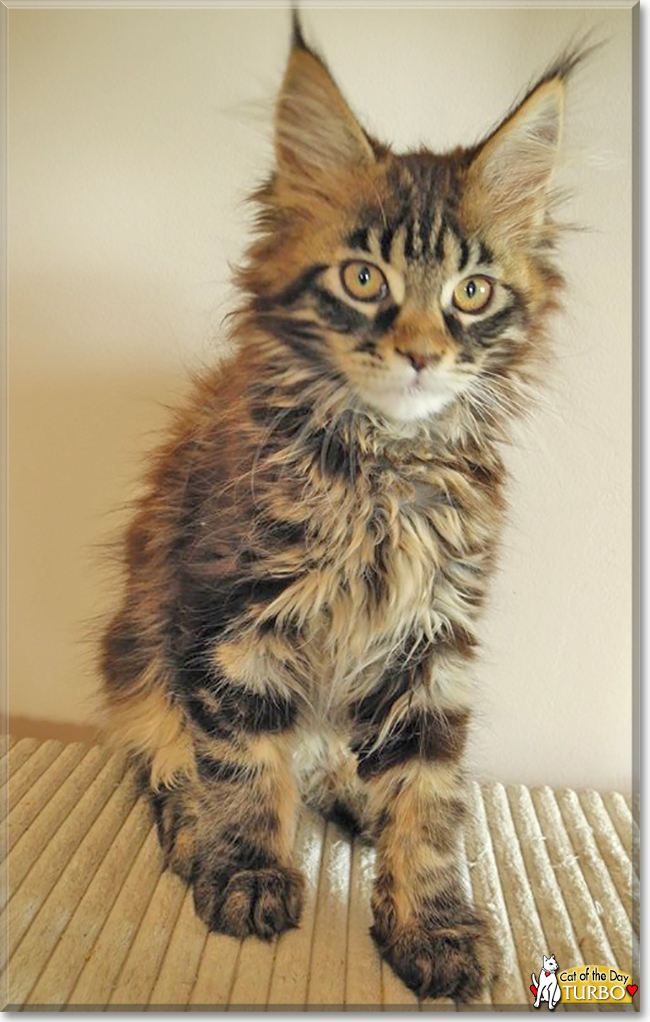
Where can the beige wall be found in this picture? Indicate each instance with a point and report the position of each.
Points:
(134, 135)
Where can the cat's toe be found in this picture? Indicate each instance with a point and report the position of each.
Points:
(437, 961)
(263, 902)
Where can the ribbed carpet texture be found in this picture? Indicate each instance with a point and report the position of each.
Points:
(91, 922)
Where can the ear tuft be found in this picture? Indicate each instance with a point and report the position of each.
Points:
(297, 37)
(570, 59)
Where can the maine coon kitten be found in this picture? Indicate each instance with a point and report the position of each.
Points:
(314, 547)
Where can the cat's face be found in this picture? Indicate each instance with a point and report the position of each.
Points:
(407, 300)
(550, 965)
(409, 279)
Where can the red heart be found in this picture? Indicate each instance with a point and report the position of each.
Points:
(632, 989)
(534, 989)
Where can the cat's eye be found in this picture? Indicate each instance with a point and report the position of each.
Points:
(363, 281)
(473, 294)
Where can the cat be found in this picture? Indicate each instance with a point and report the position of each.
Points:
(305, 570)
(548, 988)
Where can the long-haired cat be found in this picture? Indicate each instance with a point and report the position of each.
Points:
(308, 563)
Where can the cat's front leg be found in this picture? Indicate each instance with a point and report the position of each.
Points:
(228, 828)
(423, 924)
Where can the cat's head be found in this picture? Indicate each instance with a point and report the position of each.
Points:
(407, 280)
(550, 965)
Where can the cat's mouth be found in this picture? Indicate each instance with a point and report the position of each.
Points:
(415, 387)
(427, 382)
(418, 397)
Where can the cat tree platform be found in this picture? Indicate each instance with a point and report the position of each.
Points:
(90, 921)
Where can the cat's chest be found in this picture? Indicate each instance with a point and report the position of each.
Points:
(399, 557)
(415, 517)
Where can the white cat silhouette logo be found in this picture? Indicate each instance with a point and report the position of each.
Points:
(548, 988)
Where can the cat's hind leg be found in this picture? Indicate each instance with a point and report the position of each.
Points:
(329, 781)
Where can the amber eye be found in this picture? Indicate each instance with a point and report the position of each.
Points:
(363, 281)
(473, 294)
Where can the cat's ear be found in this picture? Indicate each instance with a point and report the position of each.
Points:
(511, 170)
(315, 130)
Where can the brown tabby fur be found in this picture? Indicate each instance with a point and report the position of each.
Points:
(306, 569)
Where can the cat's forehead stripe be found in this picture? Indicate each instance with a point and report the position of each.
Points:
(387, 240)
(484, 253)
(430, 228)
(464, 255)
(359, 239)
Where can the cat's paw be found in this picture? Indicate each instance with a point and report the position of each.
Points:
(437, 960)
(263, 902)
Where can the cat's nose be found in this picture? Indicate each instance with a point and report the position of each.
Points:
(418, 360)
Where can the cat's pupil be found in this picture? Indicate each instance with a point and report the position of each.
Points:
(470, 289)
(364, 275)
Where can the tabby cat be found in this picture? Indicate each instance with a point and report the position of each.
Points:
(307, 565)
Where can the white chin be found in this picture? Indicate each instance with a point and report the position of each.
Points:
(408, 404)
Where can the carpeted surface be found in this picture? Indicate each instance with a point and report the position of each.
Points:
(91, 922)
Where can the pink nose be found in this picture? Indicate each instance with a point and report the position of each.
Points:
(417, 360)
